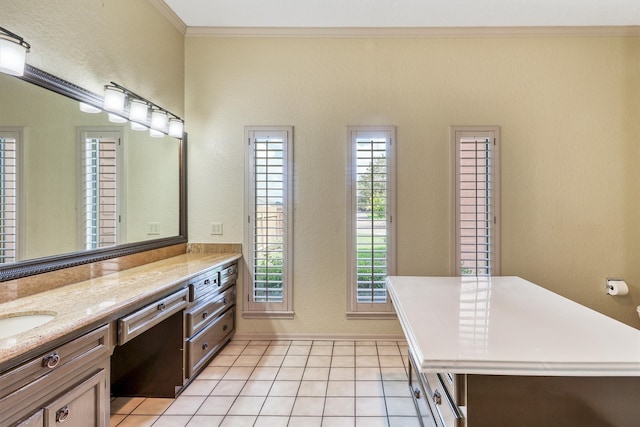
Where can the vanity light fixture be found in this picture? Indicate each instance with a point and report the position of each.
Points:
(13, 53)
(127, 104)
(87, 108)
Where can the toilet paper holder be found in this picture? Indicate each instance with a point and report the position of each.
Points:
(616, 286)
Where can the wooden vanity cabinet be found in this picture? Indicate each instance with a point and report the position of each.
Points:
(67, 384)
(210, 318)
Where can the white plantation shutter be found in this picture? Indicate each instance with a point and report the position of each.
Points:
(8, 196)
(371, 216)
(476, 202)
(269, 219)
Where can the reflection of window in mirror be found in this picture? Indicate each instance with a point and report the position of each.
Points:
(100, 183)
(11, 142)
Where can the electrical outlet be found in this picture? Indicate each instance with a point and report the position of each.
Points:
(153, 228)
(216, 228)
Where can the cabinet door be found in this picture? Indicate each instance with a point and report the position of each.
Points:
(82, 406)
(35, 420)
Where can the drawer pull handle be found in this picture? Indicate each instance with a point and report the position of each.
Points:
(205, 346)
(207, 281)
(162, 306)
(205, 314)
(437, 398)
(62, 414)
(416, 393)
(224, 300)
(51, 361)
(225, 327)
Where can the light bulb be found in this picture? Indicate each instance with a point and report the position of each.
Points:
(86, 108)
(114, 99)
(138, 111)
(159, 120)
(13, 56)
(114, 118)
(176, 128)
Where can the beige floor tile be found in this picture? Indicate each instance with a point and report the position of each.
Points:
(370, 407)
(223, 360)
(396, 389)
(394, 374)
(290, 373)
(387, 342)
(366, 350)
(260, 342)
(341, 388)
(138, 421)
(271, 421)
(337, 343)
(372, 422)
(321, 350)
(247, 405)
(153, 406)
(305, 422)
(388, 350)
(200, 387)
(238, 373)
(308, 406)
(278, 405)
(313, 388)
(338, 421)
(185, 405)
(232, 350)
(116, 419)
(299, 350)
(343, 361)
(228, 388)
(295, 360)
(365, 343)
(284, 388)
(125, 405)
(247, 360)
(172, 421)
(264, 373)
(238, 421)
(342, 374)
(256, 388)
(311, 374)
(323, 342)
(319, 361)
(213, 373)
(281, 342)
(369, 389)
(391, 361)
(400, 406)
(344, 350)
(368, 374)
(339, 407)
(406, 422)
(367, 361)
(205, 421)
(254, 350)
(271, 360)
(276, 350)
(217, 405)
(301, 342)
(239, 342)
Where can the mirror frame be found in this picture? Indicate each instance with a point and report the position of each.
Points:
(35, 266)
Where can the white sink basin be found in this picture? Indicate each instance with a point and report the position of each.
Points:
(16, 323)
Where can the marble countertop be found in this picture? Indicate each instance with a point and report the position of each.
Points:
(103, 299)
(508, 326)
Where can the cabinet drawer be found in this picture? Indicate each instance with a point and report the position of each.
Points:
(228, 274)
(142, 320)
(86, 348)
(82, 406)
(420, 397)
(455, 385)
(207, 342)
(198, 317)
(444, 410)
(203, 284)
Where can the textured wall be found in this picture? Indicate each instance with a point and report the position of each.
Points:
(568, 108)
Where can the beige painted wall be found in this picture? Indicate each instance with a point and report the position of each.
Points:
(568, 108)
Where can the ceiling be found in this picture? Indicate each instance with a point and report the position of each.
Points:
(405, 13)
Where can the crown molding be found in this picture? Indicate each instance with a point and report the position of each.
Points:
(411, 32)
(168, 13)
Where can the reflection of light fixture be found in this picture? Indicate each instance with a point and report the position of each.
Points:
(124, 103)
(86, 108)
(13, 53)
(114, 118)
(176, 127)
(155, 133)
(114, 99)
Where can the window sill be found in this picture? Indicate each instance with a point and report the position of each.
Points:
(268, 314)
(371, 315)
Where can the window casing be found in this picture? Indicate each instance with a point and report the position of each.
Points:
(269, 226)
(100, 183)
(10, 169)
(371, 219)
(476, 201)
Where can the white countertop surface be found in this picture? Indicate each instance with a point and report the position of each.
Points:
(508, 326)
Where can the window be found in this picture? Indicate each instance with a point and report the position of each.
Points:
(476, 200)
(100, 205)
(269, 207)
(371, 218)
(10, 153)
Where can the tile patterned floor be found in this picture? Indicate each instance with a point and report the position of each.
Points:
(287, 383)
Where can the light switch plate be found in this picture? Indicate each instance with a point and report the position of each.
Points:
(216, 228)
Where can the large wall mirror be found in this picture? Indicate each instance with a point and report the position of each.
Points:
(77, 188)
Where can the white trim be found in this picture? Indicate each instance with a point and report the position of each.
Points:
(427, 32)
(168, 13)
(256, 336)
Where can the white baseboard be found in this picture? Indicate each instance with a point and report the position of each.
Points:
(262, 336)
